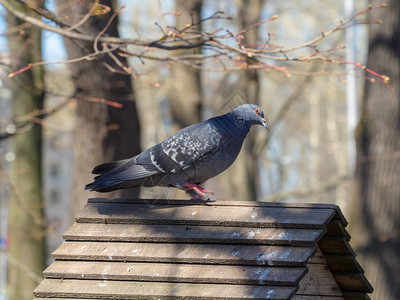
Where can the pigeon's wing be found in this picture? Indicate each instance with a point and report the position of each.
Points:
(117, 172)
(183, 149)
(177, 153)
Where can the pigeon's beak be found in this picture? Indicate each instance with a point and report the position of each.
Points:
(264, 123)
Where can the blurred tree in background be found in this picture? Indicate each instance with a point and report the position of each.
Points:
(185, 90)
(106, 132)
(375, 217)
(26, 223)
(249, 13)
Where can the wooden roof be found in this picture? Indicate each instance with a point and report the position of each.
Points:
(163, 249)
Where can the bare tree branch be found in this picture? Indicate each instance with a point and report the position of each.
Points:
(21, 124)
(224, 57)
(263, 142)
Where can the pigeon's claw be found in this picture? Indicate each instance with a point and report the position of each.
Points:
(197, 192)
(194, 195)
(198, 189)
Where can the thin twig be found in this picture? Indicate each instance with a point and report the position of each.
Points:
(329, 32)
(188, 38)
(87, 57)
(98, 36)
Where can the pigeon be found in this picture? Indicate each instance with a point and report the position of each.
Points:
(186, 159)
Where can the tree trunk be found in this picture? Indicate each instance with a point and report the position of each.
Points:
(375, 217)
(185, 96)
(185, 90)
(243, 177)
(26, 223)
(103, 133)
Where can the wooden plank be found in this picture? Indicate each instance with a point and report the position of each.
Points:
(355, 296)
(319, 281)
(192, 234)
(309, 297)
(318, 257)
(353, 282)
(335, 245)
(336, 263)
(189, 273)
(343, 263)
(336, 228)
(212, 203)
(186, 253)
(259, 217)
(159, 290)
(338, 215)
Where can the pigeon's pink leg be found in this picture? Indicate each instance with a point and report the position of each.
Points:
(198, 189)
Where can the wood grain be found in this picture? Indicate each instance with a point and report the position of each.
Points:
(189, 273)
(353, 282)
(104, 289)
(338, 213)
(343, 263)
(186, 253)
(260, 217)
(308, 297)
(336, 228)
(191, 234)
(319, 281)
(335, 245)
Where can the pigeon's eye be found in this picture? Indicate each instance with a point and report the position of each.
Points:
(257, 111)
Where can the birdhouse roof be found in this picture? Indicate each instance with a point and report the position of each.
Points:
(176, 249)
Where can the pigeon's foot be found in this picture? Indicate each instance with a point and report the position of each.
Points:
(197, 192)
(198, 189)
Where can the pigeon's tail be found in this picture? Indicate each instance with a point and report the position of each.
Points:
(105, 187)
(120, 174)
(109, 166)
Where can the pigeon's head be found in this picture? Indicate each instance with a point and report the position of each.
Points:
(251, 113)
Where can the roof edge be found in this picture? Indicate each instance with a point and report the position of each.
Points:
(339, 215)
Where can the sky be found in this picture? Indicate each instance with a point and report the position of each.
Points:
(3, 28)
(52, 44)
(133, 13)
